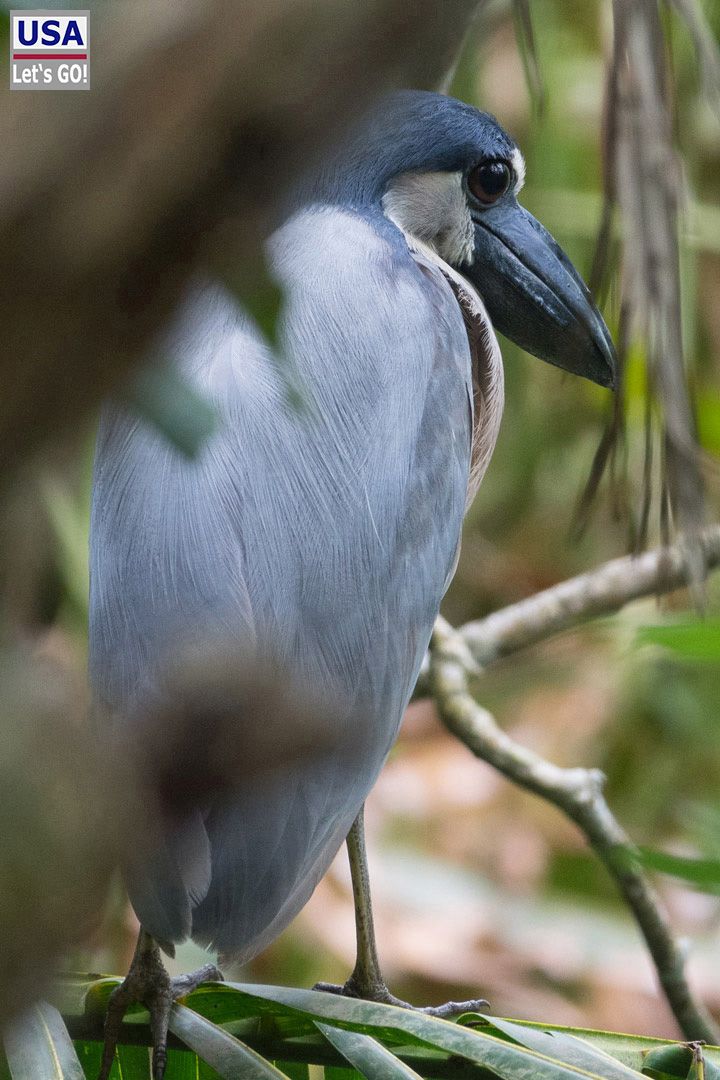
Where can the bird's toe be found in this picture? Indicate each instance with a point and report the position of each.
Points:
(454, 1008)
(380, 993)
(148, 983)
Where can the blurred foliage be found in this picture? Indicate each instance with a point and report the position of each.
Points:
(162, 398)
(478, 885)
(698, 639)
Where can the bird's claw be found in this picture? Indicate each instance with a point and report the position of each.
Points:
(380, 993)
(148, 983)
(454, 1008)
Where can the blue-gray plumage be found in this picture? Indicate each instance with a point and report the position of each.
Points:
(327, 536)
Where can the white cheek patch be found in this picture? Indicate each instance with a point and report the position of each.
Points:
(432, 208)
(518, 164)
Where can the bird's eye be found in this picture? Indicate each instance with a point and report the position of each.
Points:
(489, 181)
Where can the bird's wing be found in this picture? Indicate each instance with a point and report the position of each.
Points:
(326, 534)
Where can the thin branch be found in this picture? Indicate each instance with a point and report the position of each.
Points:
(578, 793)
(599, 592)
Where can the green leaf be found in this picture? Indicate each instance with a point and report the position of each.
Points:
(96, 994)
(69, 521)
(630, 1050)
(37, 1045)
(401, 1027)
(705, 873)
(263, 301)
(226, 1054)
(282, 1023)
(708, 421)
(367, 1055)
(257, 291)
(668, 1061)
(135, 1063)
(294, 1070)
(695, 640)
(565, 1047)
(175, 408)
(261, 296)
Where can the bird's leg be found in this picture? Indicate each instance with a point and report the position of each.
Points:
(148, 983)
(366, 980)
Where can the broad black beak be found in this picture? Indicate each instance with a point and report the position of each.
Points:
(535, 296)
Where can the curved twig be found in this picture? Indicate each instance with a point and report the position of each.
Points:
(599, 592)
(579, 794)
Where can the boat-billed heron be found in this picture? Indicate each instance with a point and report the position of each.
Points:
(326, 534)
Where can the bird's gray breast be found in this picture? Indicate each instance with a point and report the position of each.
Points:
(327, 533)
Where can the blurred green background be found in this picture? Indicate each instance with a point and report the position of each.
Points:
(478, 887)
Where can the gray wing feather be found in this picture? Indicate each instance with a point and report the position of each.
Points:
(180, 877)
(327, 535)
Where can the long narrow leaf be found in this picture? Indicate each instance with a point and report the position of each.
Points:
(226, 1054)
(505, 1059)
(704, 873)
(629, 1050)
(38, 1047)
(367, 1055)
(567, 1048)
(290, 1020)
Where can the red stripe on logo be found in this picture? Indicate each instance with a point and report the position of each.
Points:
(49, 56)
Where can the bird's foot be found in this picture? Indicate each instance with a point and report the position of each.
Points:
(378, 991)
(148, 983)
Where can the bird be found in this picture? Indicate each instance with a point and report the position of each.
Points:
(323, 535)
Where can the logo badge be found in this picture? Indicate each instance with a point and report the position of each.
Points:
(49, 50)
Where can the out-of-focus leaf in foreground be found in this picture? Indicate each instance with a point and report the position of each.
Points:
(161, 397)
(38, 1047)
(57, 842)
(76, 800)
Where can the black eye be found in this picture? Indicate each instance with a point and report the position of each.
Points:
(489, 181)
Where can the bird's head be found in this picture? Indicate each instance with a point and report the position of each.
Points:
(449, 175)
